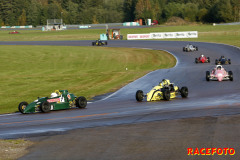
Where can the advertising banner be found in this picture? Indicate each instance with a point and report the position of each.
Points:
(138, 36)
(164, 35)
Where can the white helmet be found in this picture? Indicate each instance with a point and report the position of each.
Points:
(54, 94)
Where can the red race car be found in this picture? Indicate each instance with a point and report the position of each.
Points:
(14, 32)
(202, 59)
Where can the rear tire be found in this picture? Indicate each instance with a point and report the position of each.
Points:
(184, 92)
(105, 43)
(22, 106)
(183, 49)
(45, 107)
(230, 73)
(81, 102)
(229, 61)
(166, 94)
(93, 44)
(216, 62)
(207, 75)
(196, 48)
(139, 96)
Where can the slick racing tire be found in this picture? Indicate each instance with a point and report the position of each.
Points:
(93, 44)
(183, 49)
(105, 43)
(139, 96)
(208, 59)
(166, 94)
(230, 73)
(216, 62)
(207, 75)
(196, 60)
(229, 61)
(81, 102)
(184, 92)
(45, 107)
(22, 106)
(196, 48)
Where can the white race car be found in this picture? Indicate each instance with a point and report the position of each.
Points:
(190, 48)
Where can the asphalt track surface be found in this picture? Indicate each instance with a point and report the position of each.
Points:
(205, 98)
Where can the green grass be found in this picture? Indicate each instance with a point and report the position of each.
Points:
(27, 72)
(13, 149)
(207, 33)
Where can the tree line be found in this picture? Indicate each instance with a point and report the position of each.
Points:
(36, 12)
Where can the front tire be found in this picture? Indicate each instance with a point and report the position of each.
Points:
(81, 102)
(208, 59)
(229, 61)
(196, 60)
(196, 48)
(184, 92)
(139, 95)
(216, 62)
(207, 75)
(230, 73)
(166, 94)
(106, 43)
(22, 106)
(45, 107)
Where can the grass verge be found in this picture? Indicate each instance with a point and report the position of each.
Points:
(28, 72)
(228, 34)
(13, 149)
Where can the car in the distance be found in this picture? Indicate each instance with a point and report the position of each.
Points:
(202, 59)
(190, 48)
(222, 60)
(99, 43)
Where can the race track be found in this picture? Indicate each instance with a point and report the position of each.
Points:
(205, 98)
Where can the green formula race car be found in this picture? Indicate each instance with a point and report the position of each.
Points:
(60, 99)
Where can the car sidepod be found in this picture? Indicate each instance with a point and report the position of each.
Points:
(155, 94)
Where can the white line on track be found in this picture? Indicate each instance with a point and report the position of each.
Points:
(144, 75)
(2, 115)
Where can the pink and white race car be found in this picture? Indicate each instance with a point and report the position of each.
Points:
(219, 74)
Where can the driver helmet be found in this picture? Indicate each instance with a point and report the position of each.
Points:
(219, 67)
(165, 82)
(54, 94)
(202, 55)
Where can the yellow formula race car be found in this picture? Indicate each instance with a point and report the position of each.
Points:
(164, 91)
